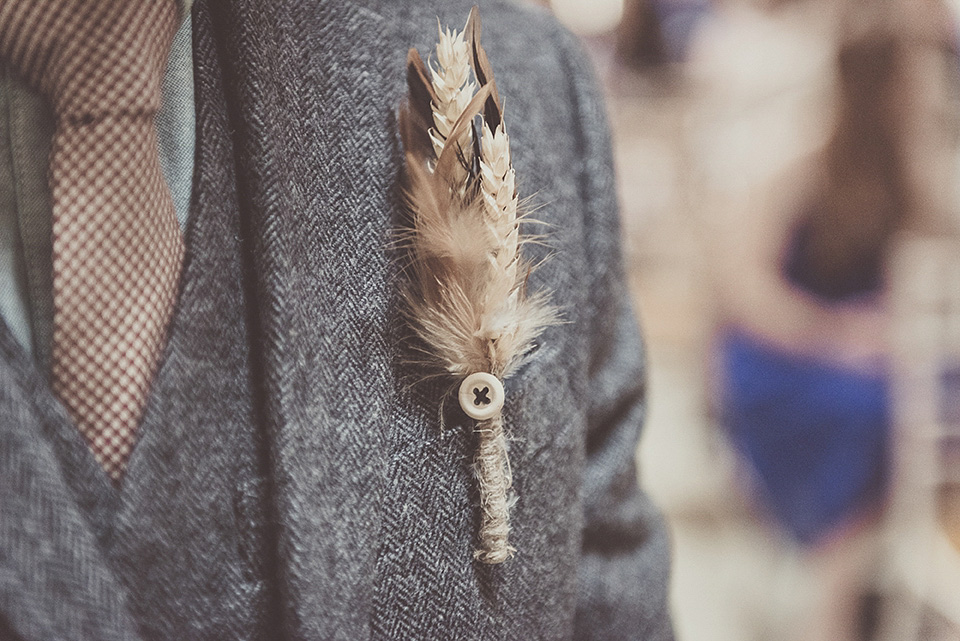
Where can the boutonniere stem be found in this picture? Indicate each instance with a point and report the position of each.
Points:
(466, 289)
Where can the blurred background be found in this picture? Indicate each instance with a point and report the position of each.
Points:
(790, 184)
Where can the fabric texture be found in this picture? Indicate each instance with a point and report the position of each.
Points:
(293, 480)
(14, 289)
(176, 121)
(26, 269)
(26, 274)
(117, 248)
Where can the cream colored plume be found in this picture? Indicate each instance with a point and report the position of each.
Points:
(466, 294)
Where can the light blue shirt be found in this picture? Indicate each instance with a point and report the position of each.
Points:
(26, 134)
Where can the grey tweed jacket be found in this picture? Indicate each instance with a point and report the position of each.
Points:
(292, 480)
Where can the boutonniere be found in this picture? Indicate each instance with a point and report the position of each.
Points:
(466, 288)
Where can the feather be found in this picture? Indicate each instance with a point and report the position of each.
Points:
(466, 295)
(415, 132)
(482, 69)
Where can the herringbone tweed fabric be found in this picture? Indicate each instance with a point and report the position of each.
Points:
(117, 246)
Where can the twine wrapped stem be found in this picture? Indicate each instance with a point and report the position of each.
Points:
(495, 481)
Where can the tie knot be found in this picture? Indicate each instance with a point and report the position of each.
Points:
(90, 58)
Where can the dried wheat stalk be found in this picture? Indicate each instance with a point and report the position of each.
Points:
(453, 88)
(466, 294)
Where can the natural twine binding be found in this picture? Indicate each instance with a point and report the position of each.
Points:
(466, 295)
(492, 468)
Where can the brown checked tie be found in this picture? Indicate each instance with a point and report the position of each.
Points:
(117, 247)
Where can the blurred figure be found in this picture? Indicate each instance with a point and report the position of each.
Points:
(807, 184)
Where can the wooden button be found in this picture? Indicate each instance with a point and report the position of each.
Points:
(481, 396)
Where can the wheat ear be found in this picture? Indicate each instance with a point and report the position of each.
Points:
(453, 88)
(499, 192)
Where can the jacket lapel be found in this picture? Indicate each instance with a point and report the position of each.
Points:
(54, 580)
(188, 536)
(317, 160)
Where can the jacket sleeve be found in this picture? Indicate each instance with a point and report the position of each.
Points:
(624, 567)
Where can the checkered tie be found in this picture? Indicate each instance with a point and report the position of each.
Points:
(117, 247)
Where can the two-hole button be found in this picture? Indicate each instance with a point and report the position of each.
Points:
(481, 396)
